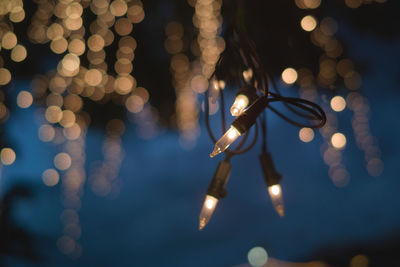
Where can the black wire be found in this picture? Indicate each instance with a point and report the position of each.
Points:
(229, 153)
(286, 102)
(207, 117)
(316, 114)
(243, 50)
(238, 149)
(222, 101)
(264, 132)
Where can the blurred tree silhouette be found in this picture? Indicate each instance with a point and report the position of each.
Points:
(15, 241)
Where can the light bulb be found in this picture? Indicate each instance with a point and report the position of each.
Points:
(240, 125)
(272, 178)
(208, 209)
(241, 102)
(214, 90)
(215, 191)
(226, 140)
(275, 192)
(247, 75)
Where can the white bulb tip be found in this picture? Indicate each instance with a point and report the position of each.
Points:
(235, 112)
(214, 153)
(280, 210)
(202, 224)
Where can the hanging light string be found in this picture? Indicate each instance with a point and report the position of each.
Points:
(256, 96)
(245, 52)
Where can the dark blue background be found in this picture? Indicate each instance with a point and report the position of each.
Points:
(154, 220)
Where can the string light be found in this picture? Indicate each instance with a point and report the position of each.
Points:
(241, 102)
(226, 140)
(275, 192)
(240, 126)
(272, 179)
(253, 115)
(215, 191)
(248, 75)
(63, 90)
(208, 209)
(246, 95)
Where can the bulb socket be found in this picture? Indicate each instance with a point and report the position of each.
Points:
(271, 176)
(249, 91)
(218, 183)
(244, 122)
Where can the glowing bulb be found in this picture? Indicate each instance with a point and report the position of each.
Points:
(275, 192)
(247, 75)
(208, 209)
(214, 90)
(241, 102)
(210, 203)
(215, 191)
(226, 140)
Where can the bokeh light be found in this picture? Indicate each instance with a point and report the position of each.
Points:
(338, 140)
(289, 75)
(46, 133)
(353, 3)
(308, 23)
(95, 42)
(93, 77)
(7, 156)
(306, 134)
(338, 103)
(18, 53)
(5, 76)
(9, 40)
(24, 99)
(53, 114)
(360, 260)
(257, 257)
(50, 177)
(62, 161)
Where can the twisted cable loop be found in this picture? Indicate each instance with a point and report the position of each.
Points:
(315, 112)
(244, 54)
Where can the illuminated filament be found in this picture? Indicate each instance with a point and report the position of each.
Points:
(241, 102)
(226, 140)
(275, 192)
(208, 209)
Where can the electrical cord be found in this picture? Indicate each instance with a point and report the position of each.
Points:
(241, 49)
